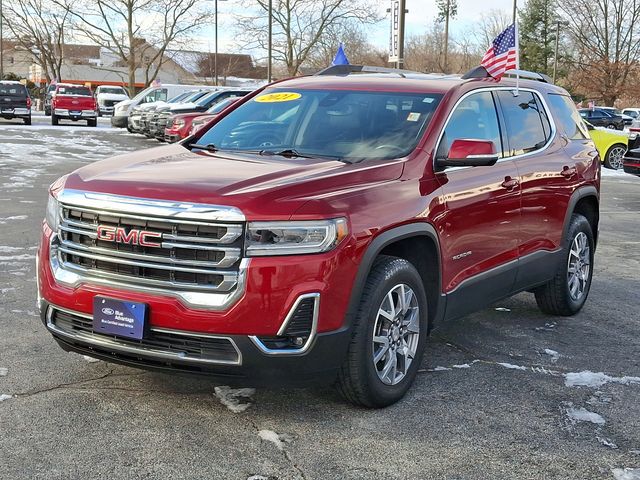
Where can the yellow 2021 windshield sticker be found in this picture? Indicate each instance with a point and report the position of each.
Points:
(278, 97)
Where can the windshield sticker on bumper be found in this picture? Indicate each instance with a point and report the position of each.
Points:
(278, 97)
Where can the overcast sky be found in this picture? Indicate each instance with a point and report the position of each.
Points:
(421, 15)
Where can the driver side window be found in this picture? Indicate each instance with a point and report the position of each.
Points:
(475, 118)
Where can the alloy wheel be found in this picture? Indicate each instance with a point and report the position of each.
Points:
(396, 334)
(616, 157)
(579, 265)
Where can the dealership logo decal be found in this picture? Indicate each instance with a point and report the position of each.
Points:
(108, 311)
(143, 238)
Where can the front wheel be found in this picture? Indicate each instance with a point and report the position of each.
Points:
(614, 158)
(389, 336)
(92, 123)
(566, 293)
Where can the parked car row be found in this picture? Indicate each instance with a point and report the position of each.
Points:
(172, 120)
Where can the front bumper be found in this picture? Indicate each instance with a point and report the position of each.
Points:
(239, 359)
(119, 121)
(106, 110)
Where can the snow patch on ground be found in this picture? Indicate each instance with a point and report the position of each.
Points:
(235, 399)
(257, 477)
(4, 220)
(3, 371)
(4, 396)
(555, 356)
(588, 378)
(502, 309)
(626, 473)
(277, 439)
(511, 366)
(90, 359)
(581, 414)
(607, 442)
(440, 369)
(6, 249)
(464, 365)
(12, 258)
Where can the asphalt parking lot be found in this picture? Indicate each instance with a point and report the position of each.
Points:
(502, 394)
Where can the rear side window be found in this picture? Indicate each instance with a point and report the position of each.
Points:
(474, 118)
(568, 117)
(13, 90)
(528, 128)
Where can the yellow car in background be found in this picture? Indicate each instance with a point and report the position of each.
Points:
(611, 145)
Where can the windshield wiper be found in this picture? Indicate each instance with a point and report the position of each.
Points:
(287, 153)
(210, 147)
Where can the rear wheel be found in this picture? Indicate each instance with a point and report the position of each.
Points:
(612, 126)
(27, 121)
(92, 123)
(389, 336)
(54, 119)
(47, 111)
(614, 158)
(566, 293)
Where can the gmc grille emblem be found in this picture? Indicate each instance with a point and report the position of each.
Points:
(132, 237)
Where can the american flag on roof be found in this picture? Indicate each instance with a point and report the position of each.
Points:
(502, 54)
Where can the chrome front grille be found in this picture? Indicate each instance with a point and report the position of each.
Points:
(188, 252)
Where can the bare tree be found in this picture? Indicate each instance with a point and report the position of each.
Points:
(138, 32)
(39, 27)
(424, 53)
(491, 24)
(607, 46)
(356, 45)
(299, 25)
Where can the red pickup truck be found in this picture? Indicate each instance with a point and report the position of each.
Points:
(73, 102)
(319, 228)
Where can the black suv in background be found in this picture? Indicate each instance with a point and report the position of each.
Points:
(602, 118)
(15, 101)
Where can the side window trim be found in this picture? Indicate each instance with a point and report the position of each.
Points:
(552, 136)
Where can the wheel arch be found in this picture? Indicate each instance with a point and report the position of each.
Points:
(585, 201)
(417, 243)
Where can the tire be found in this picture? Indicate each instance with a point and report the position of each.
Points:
(612, 126)
(559, 297)
(54, 119)
(361, 380)
(614, 158)
(92, 123)
(47, 111)
(27, 121)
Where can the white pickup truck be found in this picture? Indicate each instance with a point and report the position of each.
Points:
(108, 96)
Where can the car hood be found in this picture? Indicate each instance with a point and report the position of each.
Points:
(261, 186)
(183, 106)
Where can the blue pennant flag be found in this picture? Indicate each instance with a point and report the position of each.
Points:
(341, 57)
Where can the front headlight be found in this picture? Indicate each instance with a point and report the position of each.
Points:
(294, 238)
(52, 215)
(178, 123)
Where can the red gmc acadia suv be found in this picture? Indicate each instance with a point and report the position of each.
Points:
(322, 226)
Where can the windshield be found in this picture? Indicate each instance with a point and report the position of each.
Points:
(350, 125)
(114, 90)
(73, 90)
(218, 107)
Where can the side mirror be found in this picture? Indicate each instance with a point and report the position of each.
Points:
(470, 153)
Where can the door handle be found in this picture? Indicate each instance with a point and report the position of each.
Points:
(568, 172)
(510, 183)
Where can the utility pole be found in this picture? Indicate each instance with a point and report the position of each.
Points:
(446, 37)
(1, 46)
(270, 40)
(515, 9)
(215, 55)
(555, 55)
(403, 11)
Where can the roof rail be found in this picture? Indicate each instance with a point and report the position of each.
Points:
(347, 69)
(481, 72)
